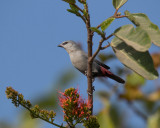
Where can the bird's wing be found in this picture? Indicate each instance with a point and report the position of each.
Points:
(101, 64)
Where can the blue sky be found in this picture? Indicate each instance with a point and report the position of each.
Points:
(30, 31)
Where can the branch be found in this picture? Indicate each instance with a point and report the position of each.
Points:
(100, 46)
(116, 15)
(89, 64)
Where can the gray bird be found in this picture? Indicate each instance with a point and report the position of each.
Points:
(79, 60)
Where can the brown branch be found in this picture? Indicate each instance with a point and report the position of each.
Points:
(100, 46)
(89, 64)
(99, 25)
(116, 15)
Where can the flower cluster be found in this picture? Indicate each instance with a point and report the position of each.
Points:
(17, 98)
(36, 112)
(82, 1)
(92, 122)
(74, 107)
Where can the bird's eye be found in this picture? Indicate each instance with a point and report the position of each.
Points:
(65, 43)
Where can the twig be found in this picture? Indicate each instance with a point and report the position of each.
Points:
(70, 125)
(100, 46)
(41, 117)
(116, 15)
(120, 16)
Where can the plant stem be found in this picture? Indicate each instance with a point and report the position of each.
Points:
(100, 46)
(89, 65)
(41, 117)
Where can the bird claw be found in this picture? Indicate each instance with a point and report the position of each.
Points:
(93, 89)
(93, 80)
(89, 93)
(85, 73)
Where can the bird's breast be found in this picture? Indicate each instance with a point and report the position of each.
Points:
(79, 61)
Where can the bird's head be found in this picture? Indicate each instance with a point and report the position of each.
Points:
(69, 46)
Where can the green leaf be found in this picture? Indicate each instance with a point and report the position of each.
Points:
(98, 31)
(105, 57)
(70, 1)
(118, 3)
(140, 19)
(76, 13)
(104, 119)
(134, 37)
(154, 120)
(27, 122)
(73, 8)
(140, 62)
(106, 23)
(104, 96)
(72, 11)
(135, 80)
(131, 18)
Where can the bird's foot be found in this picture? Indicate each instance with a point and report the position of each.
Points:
(85, 73)
(89, 93)
(93, 80)
(93, 89)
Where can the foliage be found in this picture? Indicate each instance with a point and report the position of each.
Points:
(140, 62)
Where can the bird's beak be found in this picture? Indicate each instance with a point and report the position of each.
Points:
(59, 45)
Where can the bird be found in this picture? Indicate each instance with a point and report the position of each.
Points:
(79, 60)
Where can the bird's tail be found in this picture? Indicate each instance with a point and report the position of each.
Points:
(116, 78)
(111, 75)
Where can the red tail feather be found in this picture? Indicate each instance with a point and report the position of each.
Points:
(109, 74)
